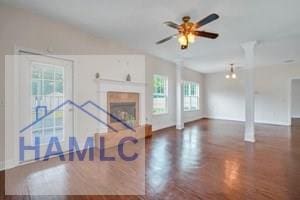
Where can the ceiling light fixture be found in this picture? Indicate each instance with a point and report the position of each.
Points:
(231, 74)
(183, 40)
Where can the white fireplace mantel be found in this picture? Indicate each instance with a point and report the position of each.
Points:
(106, 85)
(116, 82)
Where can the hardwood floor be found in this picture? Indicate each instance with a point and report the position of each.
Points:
(210, 160)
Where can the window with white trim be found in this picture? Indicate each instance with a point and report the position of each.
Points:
(160, 94)
(191, 96)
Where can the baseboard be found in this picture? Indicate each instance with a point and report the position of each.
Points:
(174, 125)
(5, 165)
(163, 128)
(257, 121)
(273, 123)
(223, 118)
(195, 120)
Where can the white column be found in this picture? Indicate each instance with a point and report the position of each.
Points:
(179, 98)
(249, 48)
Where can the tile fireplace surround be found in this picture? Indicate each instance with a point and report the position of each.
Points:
(125, 106)
(112, 91)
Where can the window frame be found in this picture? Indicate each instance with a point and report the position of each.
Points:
(188, 94)
(164, 95)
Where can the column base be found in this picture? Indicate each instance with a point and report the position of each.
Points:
(179, 127)
(249, 133)
(249, 138)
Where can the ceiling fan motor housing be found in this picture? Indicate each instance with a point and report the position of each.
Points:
(186, 19)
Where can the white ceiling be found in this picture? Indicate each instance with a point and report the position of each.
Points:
(138, 23)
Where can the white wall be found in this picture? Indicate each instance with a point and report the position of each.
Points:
(225, 98)
(295, 97)
(20, 28)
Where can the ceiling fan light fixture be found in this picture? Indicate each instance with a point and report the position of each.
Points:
(182, 40)
(191, 38)
(231, 74)
(187, 31)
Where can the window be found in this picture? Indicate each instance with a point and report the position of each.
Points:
(160, 94)
(191, 96)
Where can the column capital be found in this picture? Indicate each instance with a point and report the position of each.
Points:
(179, 63)
(249, 50)
(249, 46)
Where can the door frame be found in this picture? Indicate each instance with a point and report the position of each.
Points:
(290, 82)
(15, 94)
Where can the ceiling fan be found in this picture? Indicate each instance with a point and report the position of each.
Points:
(188, 30)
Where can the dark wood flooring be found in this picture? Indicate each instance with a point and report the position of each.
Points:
(210, 160)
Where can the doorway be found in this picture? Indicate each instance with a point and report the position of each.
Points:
(295, 102)
(45, 83)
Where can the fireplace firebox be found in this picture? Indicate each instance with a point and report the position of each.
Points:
(125, 106)
(125, 111)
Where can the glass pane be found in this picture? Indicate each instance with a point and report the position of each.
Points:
(48, 87)
(186, 89)
(49, 73)
(41, 112)
(59, 133)
(186, 103)
(37, 133)
(58, 88)
(159, 105)
(36, 87)
(59, 118)
(194, 103)
(49, 121)
(192, 89)
(58, 100)
(38, 125)
(59, 74)
(36, 72)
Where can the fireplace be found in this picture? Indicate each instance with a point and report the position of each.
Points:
(125, 106)
(126, 111)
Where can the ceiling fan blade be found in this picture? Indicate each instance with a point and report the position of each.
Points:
(206, 34)
(165, 39)
(171, 24)
(207, 20)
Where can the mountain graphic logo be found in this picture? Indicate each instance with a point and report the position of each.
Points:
(82, 109)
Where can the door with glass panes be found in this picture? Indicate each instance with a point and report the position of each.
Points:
(45, 84)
